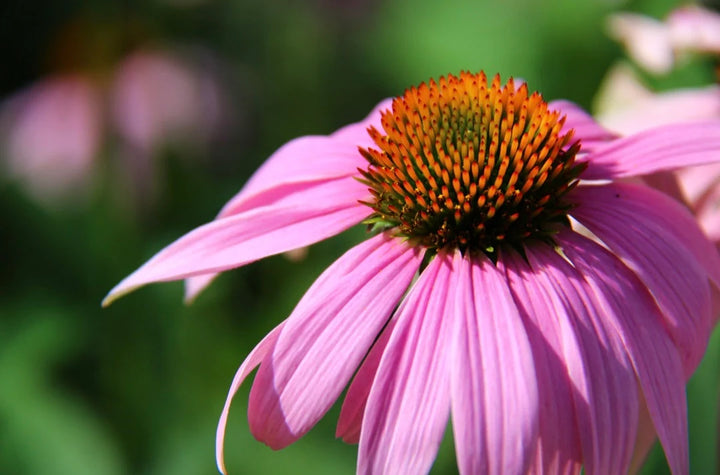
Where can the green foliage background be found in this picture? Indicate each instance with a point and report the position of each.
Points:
(138, 387)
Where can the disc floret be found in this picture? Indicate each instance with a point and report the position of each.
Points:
(461, 164)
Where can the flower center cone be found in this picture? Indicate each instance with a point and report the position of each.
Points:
(463, 164)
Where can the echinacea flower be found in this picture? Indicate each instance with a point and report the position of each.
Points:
(542, 344)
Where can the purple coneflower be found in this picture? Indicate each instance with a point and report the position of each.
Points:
(555, 303)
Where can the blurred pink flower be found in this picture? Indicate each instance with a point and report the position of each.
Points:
(655, 45)
(51, 133)
(646, 40)
(626, 106)
(693, 28)
(542, 345)
(157, 97)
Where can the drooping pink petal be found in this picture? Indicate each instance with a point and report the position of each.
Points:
(604, 393)
(553, 344)
(252, 360)
(652, 234)
(295, 170)
(306, 162)
(651, 206)
(246, 237)
(353, 408)
(292, 195)
(587, 130)
(629, 310)
(667, 183)
(296, 167)
(660, 149)
(493, 382)
(326, 337)
(408, 406)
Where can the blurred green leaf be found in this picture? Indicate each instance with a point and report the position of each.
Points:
(46, 429)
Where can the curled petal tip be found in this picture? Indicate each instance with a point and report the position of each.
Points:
(118, 291)
(189, 297)
(195, 285)
(221, 466)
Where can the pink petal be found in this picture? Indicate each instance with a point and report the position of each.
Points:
(553, 343)
(696, 182)
(246, 237)
(645, 440)
(603, 381)
(587, 130)
(353, 408)
(708, 214)
(493, 382)
(326, 337)
(668, 184)
(681, 105)
(652, 234)
(408, 406)
(630, 311)
(297, 169)
(293, 195)
(651, 206)
(306, 162)
(664, 148)
(252, 360)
